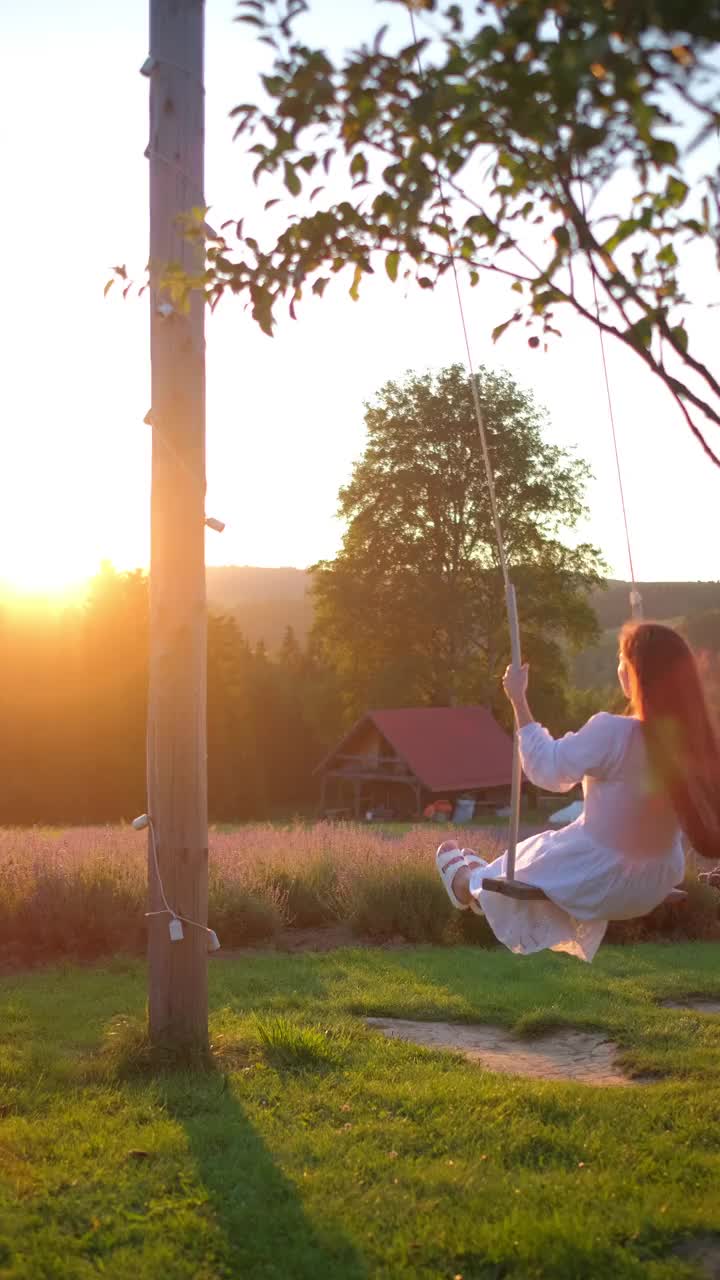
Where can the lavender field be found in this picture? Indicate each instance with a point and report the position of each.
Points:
(81, 892)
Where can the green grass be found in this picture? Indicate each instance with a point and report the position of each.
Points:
(318, 1149)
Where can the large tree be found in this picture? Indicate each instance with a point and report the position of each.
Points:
(412, 608)
(544, 141)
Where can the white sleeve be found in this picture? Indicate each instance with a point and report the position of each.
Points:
(558, 765)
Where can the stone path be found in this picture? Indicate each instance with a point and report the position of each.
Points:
(704, 1253)
(695, 1006)
(561, 1055)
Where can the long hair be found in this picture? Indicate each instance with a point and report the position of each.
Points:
(667, 695)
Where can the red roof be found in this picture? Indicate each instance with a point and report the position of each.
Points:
(447, 748)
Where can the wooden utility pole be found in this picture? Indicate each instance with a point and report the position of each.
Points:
(177, 753)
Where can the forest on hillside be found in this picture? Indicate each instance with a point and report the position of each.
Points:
(265, 602)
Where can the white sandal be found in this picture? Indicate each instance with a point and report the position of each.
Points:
(473, 860)
(449, 859)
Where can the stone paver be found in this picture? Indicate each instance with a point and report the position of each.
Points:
(704, 1253)
(695, 1006)
(561, 1055)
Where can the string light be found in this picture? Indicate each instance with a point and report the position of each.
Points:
(212, 522)
(175, 925)
(151, 64)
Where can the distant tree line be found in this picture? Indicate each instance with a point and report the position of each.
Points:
(73, 699)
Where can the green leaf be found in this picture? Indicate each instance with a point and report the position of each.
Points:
(292, 182)
(354, 287)
(663, 152)
(499, 329)
(676, 191)
(623, 231)
(108, 287)
(481, 225)
(392, 262)
(640, 334)
(680, 337)
(358, 166)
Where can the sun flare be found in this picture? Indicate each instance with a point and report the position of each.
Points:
(56, 566)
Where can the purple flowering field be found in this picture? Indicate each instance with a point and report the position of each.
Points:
(81, 891)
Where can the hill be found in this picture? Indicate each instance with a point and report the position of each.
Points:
(661, 600)
(694, 606)
(266, 601)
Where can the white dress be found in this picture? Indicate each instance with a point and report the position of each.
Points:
(618, 860)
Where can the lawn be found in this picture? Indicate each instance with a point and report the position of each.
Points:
(318, 1149)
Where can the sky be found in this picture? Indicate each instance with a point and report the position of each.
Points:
(284, 415)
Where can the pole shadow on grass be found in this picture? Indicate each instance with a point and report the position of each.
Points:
(266, 1230)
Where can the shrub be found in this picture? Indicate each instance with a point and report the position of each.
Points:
(241, 916)
(697, 919)
(469, 928)
(311, 895)
(49, 912)
(400, 901)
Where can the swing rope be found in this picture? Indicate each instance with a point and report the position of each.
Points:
(635, 597)
(508, 884)
(510, 598)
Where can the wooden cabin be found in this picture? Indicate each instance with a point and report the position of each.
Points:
(396, 763)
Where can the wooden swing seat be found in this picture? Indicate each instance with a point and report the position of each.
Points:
(523, 892)
(515, 889)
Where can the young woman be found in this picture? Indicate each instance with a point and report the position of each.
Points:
(647, 777)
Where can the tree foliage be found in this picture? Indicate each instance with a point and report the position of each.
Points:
(499, 139)
(412, 609)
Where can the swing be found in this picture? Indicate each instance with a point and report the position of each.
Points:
(507, 885)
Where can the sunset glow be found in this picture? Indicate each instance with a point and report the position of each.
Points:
(50, 542)
(285, 417)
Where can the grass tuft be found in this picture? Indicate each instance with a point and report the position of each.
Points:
(290, 1045)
